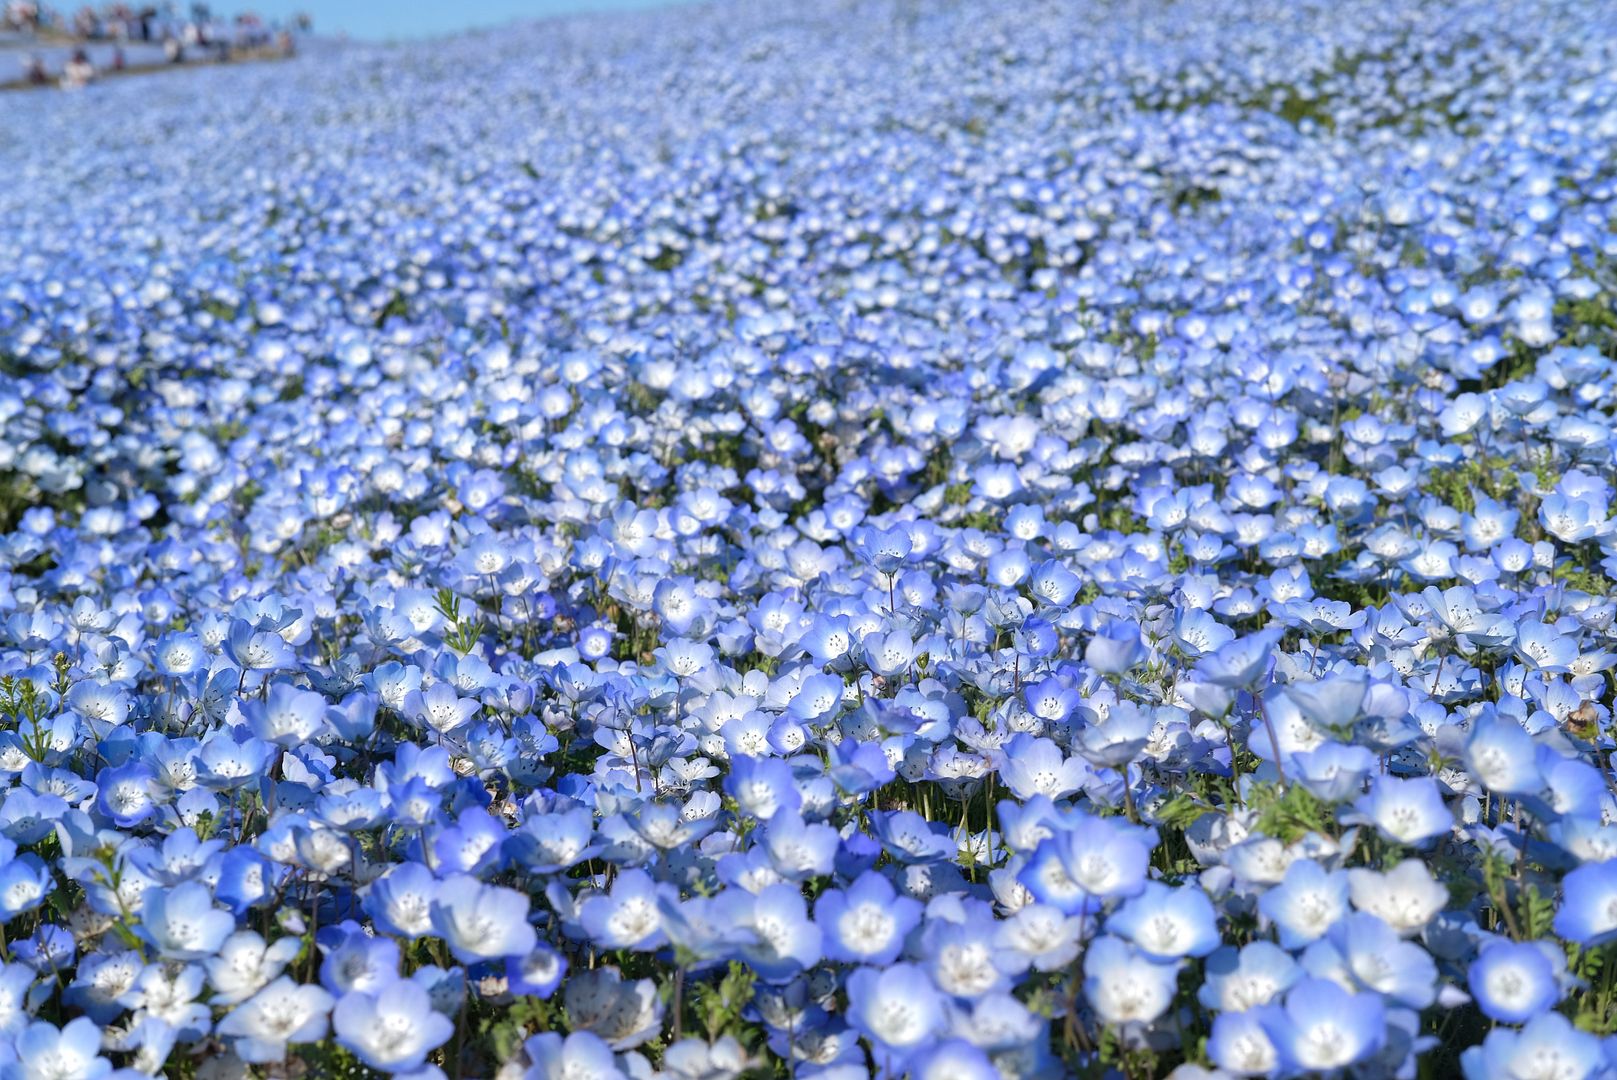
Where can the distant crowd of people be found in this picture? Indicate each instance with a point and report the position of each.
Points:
(196, 34)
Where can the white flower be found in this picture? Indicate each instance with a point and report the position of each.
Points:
(1406, 897)
(245, 964)
(281, 1013)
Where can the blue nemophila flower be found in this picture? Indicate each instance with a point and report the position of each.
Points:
(626, 1013)
(1361, 951)
(1035, 766)
(706, 928)
(538, 974)
(1333, 772)
(1408, 812)
(866, 923)
(1088, 862)
(628, 916)
(783, 940)
(103, 706)
(897, 1009)
(889, 654)
(817, 698)
(721, 538)
(829, 640)
(182, 923)
(25, 881)
(1008, 569)
(354, 960)
(391, 1028)
(446, 988)
(261, 650)
(1118, 739)
(910, 838)
(668, 825)
(1196, 632)
(1588, 911)
(481, 922)
(1547, 1041)
(168, 994)
(858, 767)
(1052, 583)
(549, 842)
(798, 849)
(581, 1054)
(1115, 648)
(1039, 936)
(439, 708)
(126, 793)
(1515, 981)
(1167, 923)
(472, 845)
(952, 1059)
(1322, 1027)
(71, 1052)
(1544, 647)
(1502, 756)
(1051, 699)
(246, 879)
(1242, 662)
(884, 549)
(1406, 898)
(762, 787)
(49, 950)
(1125, 985)
(1240, 1042)
(287, 717)
(957, 950)
(282, 1013)
(100, 984)
(1246, 978)
(182, 856)
(1572, 519)
(1307, 902)
(243, 964)
(232, 758)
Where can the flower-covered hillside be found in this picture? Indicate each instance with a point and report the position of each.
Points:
(952, 540)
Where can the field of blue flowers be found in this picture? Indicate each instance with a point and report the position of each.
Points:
(950, 540)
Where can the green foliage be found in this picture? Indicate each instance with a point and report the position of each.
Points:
(465, 630)
(1537, 912)
(396, 307)
(1193, 197)
(640, 398)
(1181, 811)
(23, 709)
(1121, 519)
(1586, 579)
(1456, 485)
(503, 1032)
(328, 1060)
(718, 1007)
(667, 259)
(1595, 1008)
(1518, 363)
(1131, 1061)
(1289, 813)
(1297, 107)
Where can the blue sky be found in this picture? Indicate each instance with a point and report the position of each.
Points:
(381, 20)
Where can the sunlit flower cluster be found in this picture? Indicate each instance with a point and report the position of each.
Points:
(845, 538)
